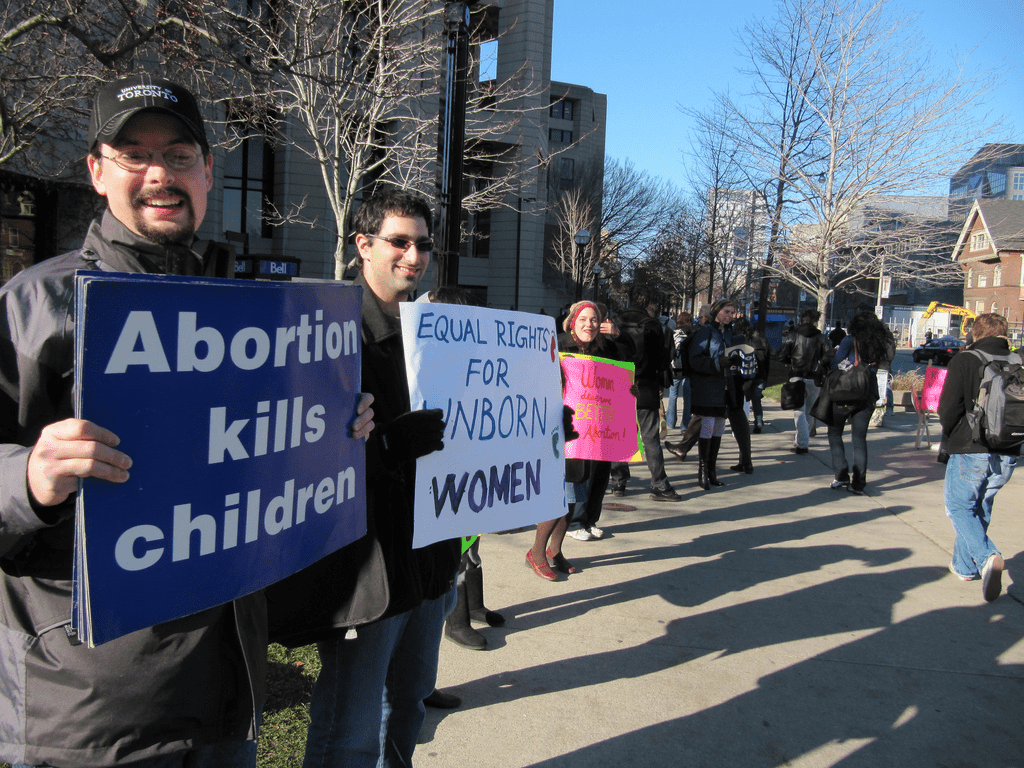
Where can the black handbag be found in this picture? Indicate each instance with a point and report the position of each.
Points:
(856, 384)
(792, 394)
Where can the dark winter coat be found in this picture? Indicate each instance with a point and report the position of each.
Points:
(963, 378)
(803, 349)
(158, 691)
(380, 575)
(710, 378)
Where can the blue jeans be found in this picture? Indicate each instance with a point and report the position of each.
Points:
(229, 754)
(367, 704)
(859, 435)
(802, 419)
(972, 481)
(756, 392)
(679, 388)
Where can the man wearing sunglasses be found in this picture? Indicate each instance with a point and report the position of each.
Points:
(376, 608)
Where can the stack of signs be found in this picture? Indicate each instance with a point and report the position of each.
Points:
(234, 400)
(495, 376)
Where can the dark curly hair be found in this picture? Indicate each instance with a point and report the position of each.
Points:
(875, 342)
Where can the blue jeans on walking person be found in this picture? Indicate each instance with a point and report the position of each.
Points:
(858, 421)
(367, 704)
(679, 388)
(972, 481)
(802, 420)
(756, 392)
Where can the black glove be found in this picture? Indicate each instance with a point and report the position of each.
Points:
(411, 436)
(567, 428)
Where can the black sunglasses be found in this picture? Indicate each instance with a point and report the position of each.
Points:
(402, 244)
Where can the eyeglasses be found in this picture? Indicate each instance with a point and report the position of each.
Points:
(402, 243)
(133, 160)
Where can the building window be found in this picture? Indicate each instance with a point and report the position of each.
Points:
(979, 241)
(982, 280)
(567, 168)
(994, 309)
(1018, 182)
(11, 237)
(561, 109)
(997, 275)
(979, 307)
(559, 137)
(970, 278)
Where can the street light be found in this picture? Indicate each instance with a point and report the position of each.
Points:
(597, 278)
(582, 238)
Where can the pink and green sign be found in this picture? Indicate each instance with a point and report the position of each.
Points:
(599, 391)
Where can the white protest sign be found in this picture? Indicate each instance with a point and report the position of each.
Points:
(496, 377)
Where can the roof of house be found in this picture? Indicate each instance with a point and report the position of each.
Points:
(1002, 219)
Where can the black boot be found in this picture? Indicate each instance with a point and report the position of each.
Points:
(703, 450)
(475, 598)
(715, 445)
(741, 431)
(457, 628)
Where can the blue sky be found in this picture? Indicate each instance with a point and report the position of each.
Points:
(650, 56)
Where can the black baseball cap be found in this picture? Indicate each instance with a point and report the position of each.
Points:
(119, 101)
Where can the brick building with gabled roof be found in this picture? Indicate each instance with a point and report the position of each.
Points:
(990, 250)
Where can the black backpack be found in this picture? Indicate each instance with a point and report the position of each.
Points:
(997, 419)
(681, 367)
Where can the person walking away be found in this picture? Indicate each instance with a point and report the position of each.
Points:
(868, 343)
(805, 351)
(974, 472)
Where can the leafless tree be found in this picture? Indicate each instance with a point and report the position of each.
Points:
(861, 113)
(53, 54)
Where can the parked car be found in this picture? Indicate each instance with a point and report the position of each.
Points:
(940, 351)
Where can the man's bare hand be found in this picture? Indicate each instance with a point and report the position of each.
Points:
(363, 424)
(68, 450)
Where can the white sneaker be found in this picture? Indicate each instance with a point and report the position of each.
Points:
(582, 534)
(596, 532)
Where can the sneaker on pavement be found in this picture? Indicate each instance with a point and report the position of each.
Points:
(616, 491)
(992, 577)
(596, 532)
(582, 534)
(960, 575)
(799, 450)
(837, 485)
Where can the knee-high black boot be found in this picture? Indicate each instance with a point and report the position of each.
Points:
(703, 451)
(475, 598)
(457, 627)
(715, 443)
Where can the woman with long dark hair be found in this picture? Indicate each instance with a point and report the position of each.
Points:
(868, 342)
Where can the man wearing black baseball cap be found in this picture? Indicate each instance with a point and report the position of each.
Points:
(183, 693)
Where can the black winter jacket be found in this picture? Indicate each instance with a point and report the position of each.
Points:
(159, 691)
(963, 378)
(803, 348)
(381, 575)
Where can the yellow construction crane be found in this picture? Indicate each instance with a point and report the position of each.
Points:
(937, 306)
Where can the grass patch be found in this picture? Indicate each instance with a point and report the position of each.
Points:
(774, 392)
(290, 677)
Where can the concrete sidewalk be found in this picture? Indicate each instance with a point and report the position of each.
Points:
(772, 622)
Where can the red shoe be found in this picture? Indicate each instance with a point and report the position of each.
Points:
(560, 563)
(544, 571)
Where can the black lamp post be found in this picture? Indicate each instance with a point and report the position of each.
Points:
(453, 139)
(581, 238)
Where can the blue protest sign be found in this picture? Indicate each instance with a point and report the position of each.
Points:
(234, 400)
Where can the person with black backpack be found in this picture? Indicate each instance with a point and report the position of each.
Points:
(976, 471)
